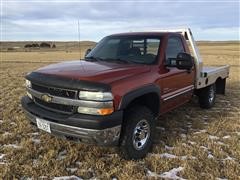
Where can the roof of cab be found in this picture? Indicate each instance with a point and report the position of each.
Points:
(147, 33)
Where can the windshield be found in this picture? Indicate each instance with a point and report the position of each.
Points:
(130, 49)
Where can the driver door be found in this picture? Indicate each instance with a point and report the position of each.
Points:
(176, 85)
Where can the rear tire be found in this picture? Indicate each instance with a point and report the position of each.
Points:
(137, 133)
(207, 96)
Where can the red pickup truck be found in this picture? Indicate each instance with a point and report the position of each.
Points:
(114, 95)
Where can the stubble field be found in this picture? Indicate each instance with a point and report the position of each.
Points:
(191, 143)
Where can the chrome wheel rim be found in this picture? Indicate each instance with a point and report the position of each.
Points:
(141, 134)
(211, 95)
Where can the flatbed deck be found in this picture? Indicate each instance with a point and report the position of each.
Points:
(210, 74)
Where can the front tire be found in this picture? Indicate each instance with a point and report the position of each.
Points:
(137, 133)
(207, 96)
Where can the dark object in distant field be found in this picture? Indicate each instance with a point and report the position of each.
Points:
(34, 45)
(42, 45)
(45, 45)
(10, 49)
(28, 46)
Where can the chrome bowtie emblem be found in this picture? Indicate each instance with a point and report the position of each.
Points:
(46, 98)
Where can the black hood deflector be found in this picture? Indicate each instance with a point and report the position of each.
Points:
(65, 82)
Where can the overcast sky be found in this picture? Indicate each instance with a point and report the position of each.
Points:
(57, 20)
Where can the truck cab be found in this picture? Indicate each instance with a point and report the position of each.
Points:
(115, 95)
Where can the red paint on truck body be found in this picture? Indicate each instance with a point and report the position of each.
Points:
(124, 78)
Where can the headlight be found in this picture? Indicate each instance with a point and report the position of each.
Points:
(28, 83)
(29, 95)
(101, 97)
(95, 96)
(95, 111)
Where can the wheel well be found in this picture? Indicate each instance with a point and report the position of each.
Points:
(150, 100)
(220, 85)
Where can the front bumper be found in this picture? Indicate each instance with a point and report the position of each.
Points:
(91, 129)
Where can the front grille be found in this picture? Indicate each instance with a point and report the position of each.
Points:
(66, 93)
(55, 91)
(55, 107)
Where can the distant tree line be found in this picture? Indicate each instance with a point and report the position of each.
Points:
(41, 45)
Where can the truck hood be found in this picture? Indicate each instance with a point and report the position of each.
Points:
(99, 71)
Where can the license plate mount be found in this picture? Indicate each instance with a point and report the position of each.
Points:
(43, 125)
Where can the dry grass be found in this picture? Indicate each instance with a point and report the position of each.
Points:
(206, 143)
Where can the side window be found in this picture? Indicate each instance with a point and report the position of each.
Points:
(174, 47)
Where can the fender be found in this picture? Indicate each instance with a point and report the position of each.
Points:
(130, 96)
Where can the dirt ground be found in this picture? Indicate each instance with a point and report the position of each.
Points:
(191, 143)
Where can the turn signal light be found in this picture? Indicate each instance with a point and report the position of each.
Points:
(105, 111)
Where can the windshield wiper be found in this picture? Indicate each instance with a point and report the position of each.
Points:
(93, 58)
(116, 60)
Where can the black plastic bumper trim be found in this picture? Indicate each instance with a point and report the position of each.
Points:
(77, 120)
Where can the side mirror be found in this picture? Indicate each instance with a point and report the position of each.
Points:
(184, 61)
(87, 52)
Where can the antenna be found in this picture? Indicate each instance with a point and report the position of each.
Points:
(79, 45)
